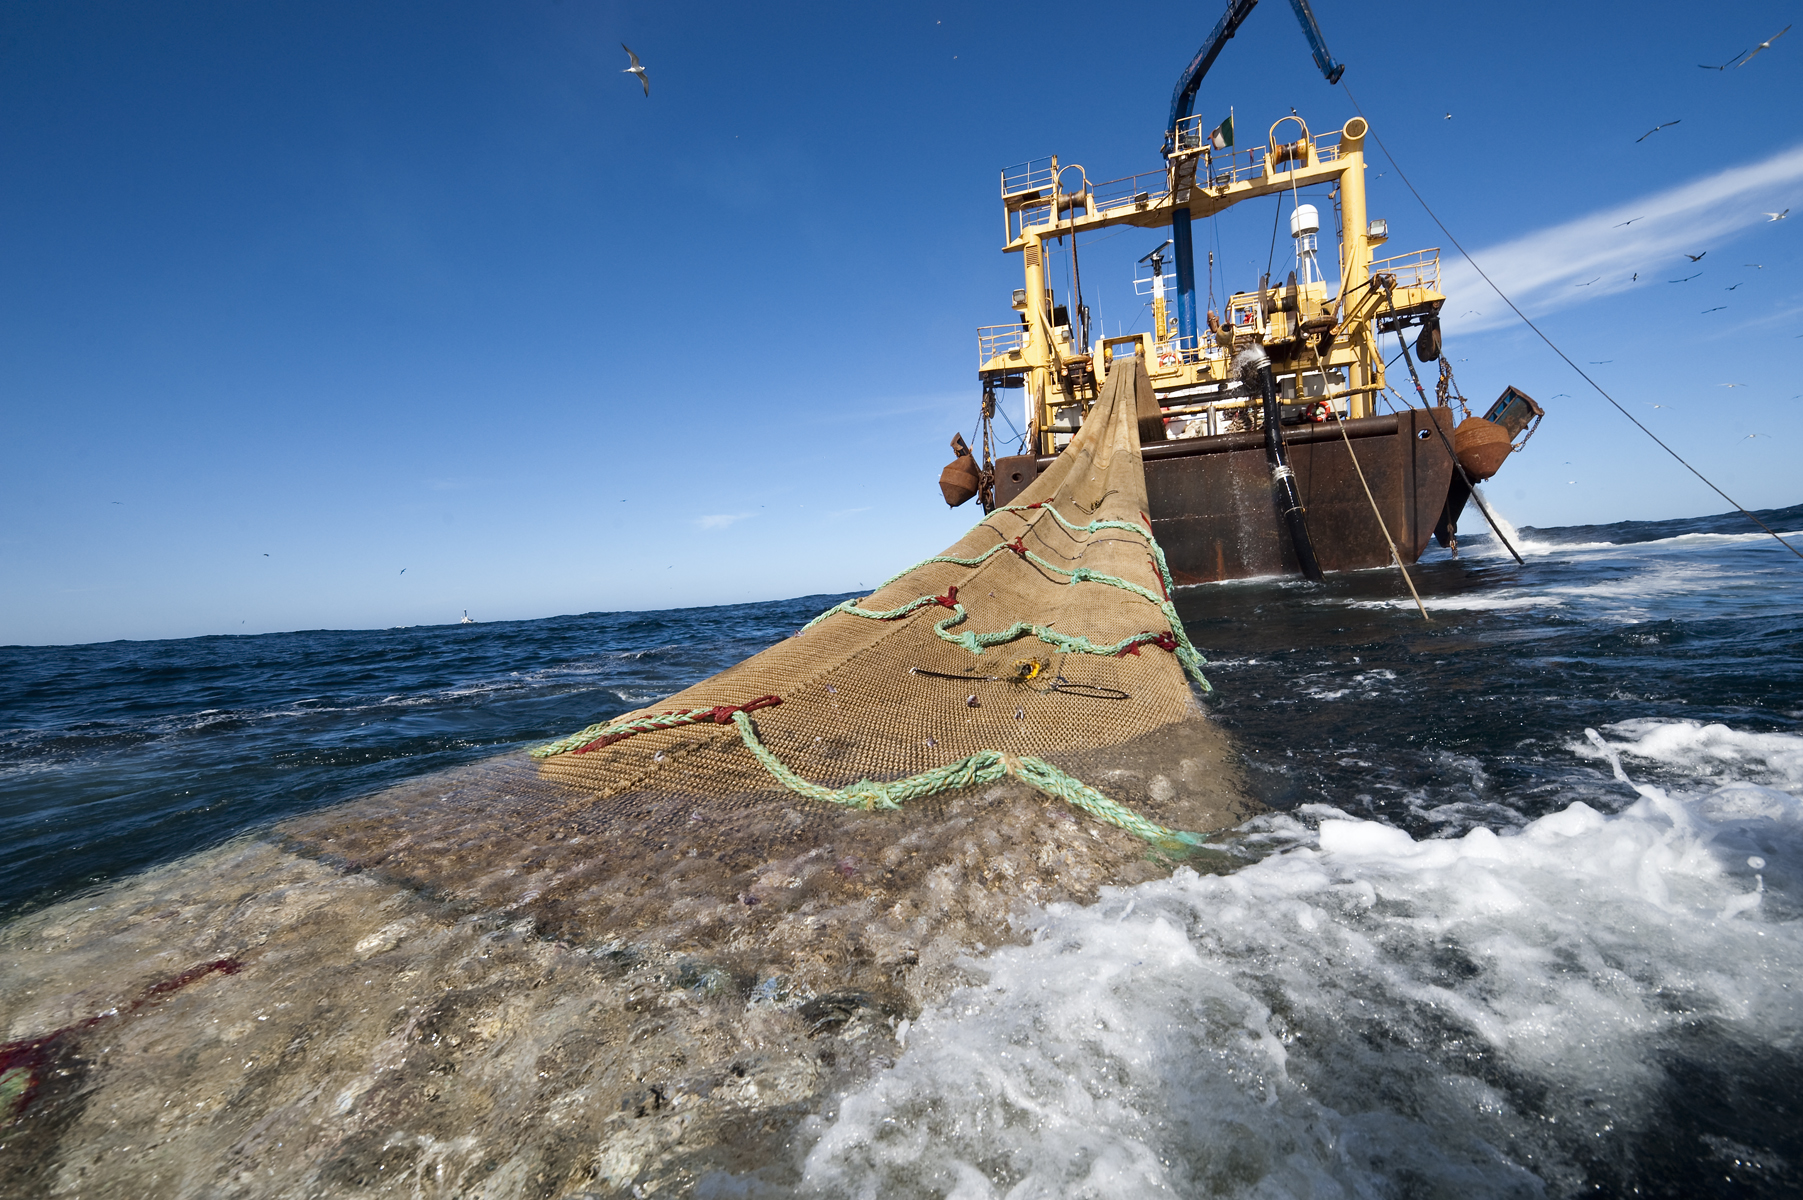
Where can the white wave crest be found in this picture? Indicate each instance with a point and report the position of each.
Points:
(1475, 1015)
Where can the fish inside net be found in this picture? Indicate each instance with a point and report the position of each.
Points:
(640, 957)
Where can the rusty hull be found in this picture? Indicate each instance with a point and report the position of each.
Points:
(1214, 512)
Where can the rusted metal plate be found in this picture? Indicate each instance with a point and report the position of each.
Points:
(1213, 509)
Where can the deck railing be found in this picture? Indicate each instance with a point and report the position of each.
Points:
(1034, 176)
(1132, 191)
(1420, 269)
(994, 341)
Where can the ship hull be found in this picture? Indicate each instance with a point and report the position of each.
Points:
(1214, 511)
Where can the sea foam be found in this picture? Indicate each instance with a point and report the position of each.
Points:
(1358, 1010)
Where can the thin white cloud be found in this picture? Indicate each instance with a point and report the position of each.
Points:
(1548, 269)
(721, 520)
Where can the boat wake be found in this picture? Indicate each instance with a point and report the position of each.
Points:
(1518, 1015)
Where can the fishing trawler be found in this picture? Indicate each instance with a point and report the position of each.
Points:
(1269, 444)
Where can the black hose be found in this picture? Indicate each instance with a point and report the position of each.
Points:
(1255, 363)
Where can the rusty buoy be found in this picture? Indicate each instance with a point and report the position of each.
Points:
(1481, 446)
(960, 479)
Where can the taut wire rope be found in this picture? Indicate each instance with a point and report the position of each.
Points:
(1375, 511)
(1551, 345)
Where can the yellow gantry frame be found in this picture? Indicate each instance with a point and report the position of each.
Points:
(1059, 375)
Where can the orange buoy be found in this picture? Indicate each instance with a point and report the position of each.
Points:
(1481, 446)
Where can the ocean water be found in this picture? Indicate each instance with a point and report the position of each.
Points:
(1523, 919)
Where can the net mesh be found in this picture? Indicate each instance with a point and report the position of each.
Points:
(1047, 629)
(1037, 662)
(628, 969)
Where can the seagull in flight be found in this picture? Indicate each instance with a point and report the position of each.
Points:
(1778, 216)
(636, 69)
(403, 572)
(1629, 221)
(1729, 289)
(1686, 279)
(1586, 284)
(1694, 257)
(1597, 362)
(1755, 266)
(1765, 45)
(1730, 385)
(1649, 133)
(1717, 308)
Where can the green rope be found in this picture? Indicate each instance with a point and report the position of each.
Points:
(1164, 571)
(985, 766)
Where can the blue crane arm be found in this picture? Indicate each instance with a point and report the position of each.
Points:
(1183, 97)
(1330, 68)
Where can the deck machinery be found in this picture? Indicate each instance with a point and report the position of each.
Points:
(1209, 462)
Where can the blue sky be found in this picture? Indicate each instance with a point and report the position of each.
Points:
(300, 296)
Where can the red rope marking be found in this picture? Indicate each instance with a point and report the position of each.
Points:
(1159, 576)
(1018, 547)
(1164, 641)
(950, 599)
(34, 1055)
(720, 714)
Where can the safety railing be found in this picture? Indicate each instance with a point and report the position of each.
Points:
(1034, 176)
(1420, 269)
(1221, 168)
(1132, 191)
(993, 341)
(1034, 215)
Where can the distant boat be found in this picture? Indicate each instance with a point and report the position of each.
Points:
(466, 618)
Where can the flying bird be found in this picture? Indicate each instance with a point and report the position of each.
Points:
(403, 571)
(1731, 288)
(1471, 312)
(1597, 362)
(1693, 257)
(1765, 45)
(1778, 216)
(1686, 279)
(1655, 129)
(1630, 221)
(1449, 116)
(636, 69)
(1586, 284)
(1726, 65)
(265, 554)
(1755, 266)
(1717, 308)
(1754, 435)
(1730, 385)
(1655, 406)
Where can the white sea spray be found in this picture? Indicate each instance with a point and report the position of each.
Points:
(1359, 1012)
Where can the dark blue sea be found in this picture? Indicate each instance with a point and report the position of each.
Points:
(1461, 902)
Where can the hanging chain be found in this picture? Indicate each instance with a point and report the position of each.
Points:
(986, 476)
(1448, 388)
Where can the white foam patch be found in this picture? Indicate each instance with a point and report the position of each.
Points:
(1708, 751)
(1474, 1015)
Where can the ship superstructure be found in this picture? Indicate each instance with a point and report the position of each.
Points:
(1267, 450)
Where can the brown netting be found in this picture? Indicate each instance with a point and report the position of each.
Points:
(881, 700)
(628, 970)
